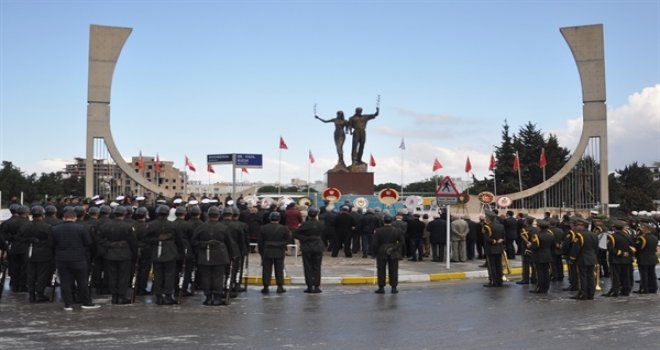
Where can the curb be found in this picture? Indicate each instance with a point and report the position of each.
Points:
(370, 280)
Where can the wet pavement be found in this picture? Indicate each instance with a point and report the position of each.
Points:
(458, 314)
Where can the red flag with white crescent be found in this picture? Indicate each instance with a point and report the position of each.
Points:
(516, 162)
(311, 157)
(157, 164)
(190, 165)
(244, 170)
(283, 144)
(140, 164)
(493, 163)
(372, 161)
(436, 165)
(209, 169)
(543, 162)
(468, 165)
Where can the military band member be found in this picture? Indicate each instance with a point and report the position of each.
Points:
(566, 247)
(621, 250)
(493, 233)
(542, 243)
(557, 264)
(213, 248)
(271, 242)
(387, 246)
(144, 250)
(526, 233)
(599, 229)
(243, 245)
(646, 245)
(583, 255)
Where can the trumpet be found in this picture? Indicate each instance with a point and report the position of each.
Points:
(506, 270)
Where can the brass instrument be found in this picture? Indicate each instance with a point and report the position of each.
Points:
(506, 270)
(597, 277)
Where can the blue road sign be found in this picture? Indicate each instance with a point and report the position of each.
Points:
(249, 160)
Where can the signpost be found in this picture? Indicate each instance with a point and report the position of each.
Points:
(240, 160)
(447, 194)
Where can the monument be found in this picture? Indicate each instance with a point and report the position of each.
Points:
(354, 179)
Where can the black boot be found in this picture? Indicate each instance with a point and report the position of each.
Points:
(122, 300)
(309, 290)
(317, 289)
(41, 298)
(394, 290)
(33, 297)
(159, 299)
(218, 300)
(208, 300)
(115, 299)
(380, 290)
(168, 300)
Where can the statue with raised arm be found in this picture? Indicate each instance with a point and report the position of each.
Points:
(341, 128)
(358, 128)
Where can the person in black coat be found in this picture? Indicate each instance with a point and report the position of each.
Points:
(344, 226)
(438, 230)
(166, 245)
(309, 235)
(621, 250)
(415, 231)
(272, 241)
(18, 248)
(368, 225)
(39, 256)
(541, 243)
(212, 246)
(511, 234)
(387, 245)
(120, 245)
(646, 244)
(471, 240)
(70, 242)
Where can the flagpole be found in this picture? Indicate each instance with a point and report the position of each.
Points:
(279, 173)
(545, 199)
(522, 200)
(309, 170)
(402, 173)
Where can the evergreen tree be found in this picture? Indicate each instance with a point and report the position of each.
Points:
(633, 188)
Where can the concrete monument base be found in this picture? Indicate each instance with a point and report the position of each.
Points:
(352, 183)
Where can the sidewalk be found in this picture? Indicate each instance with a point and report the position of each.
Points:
(358, 270)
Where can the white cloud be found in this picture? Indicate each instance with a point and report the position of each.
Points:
(633, 130)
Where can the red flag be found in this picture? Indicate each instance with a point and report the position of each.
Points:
(372, 161)
(244, 170)
(468, 165)
(516, 162)
(543, 162)
(209, 168)
(437, 165)
(402, 145)
(140, 164)
(311, 157)
(190, 165)
(157, 164)
(493, 163)
(283, 144)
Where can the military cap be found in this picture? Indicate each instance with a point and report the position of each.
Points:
(141, 212)
(95, 197)
(227, 211)
(69, 211)
(387, 218)
(542, 222)
(38, 210)
(553, 222)
(140, 198)
(195, 210)
(344, 208)
(177, 201)
(274, 216)
(579, 220)
(235, 210)
(120, 198)
(193, 202)
(312, 211)
(14, 208)
(119, 211)
(93, 210)
(162, 210)
(490, 214)
(180, 211)
(618, 223)
(23, 209)
(129, 209)
(213, 211)
(106, 210)
(51, 209)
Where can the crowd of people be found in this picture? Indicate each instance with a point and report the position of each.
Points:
(117, 248)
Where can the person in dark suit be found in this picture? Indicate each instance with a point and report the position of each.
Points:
(511, 234)
(309, 235)
(541, 243)
(583, 254)
(39, 256)
(271, 242)
(344, 226)
(493, 233)
(438, 230)
(387, 245)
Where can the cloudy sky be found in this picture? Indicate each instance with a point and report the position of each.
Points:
(206, 77)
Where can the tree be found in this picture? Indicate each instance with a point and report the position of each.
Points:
(13, 182)
(379, 187)
(426, 186)
(633, 188)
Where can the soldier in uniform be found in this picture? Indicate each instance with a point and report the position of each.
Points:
(646, 245)
(309, 235)
(528, 231)
(557, 264)
(542, 243)
(39, 255)
(244, 245)
(18, 249)
(387, 247)
(120, 245)
(144, 250)
(51, 215)
(165, 247)
(583, 254)
(185, 231)
(212, 244)
(194, 222)
(599, 229)
(99, 275)
(493, 233)
(272, 241)
(621, 249)
(566, 247)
